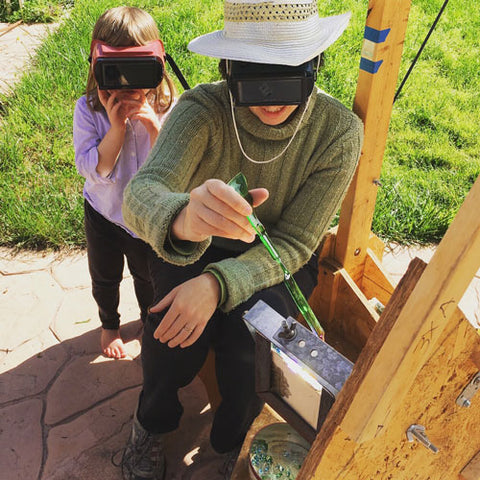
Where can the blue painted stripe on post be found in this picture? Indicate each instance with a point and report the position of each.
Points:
(376, 36)
(369, 66)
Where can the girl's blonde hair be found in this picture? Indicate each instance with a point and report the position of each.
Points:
(129, 27)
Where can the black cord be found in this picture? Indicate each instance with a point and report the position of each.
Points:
(420, 50)
(177, 71)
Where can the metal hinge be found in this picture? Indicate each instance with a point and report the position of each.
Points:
(465, 398)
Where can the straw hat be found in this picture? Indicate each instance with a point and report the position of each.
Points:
(285, 32)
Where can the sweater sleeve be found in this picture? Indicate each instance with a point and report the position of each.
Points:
(151, 199)
(303, 222)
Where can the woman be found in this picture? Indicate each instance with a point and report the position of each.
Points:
(298, 147)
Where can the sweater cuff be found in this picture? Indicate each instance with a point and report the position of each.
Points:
(183, 247)
(221, 281)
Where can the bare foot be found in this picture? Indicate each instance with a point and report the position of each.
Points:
(112, 344)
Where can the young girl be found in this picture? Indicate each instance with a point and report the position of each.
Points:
(113, 133)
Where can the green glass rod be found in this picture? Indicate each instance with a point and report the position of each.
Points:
(239, 184)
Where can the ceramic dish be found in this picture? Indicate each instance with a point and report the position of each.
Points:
(276, 453)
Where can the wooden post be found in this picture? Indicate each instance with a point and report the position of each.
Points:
(351, 272)
(381, 55)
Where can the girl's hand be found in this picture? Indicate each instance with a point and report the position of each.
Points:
(217, 209)
(190, 307)
(114, 108)
(121, 105)
(148, 117)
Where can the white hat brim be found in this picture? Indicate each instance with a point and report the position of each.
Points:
(307, 44)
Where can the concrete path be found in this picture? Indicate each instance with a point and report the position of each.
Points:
(64, 408)
(17, 49)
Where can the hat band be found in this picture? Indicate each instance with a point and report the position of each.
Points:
(269, 12)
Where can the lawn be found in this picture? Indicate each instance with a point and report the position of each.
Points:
(431, 159)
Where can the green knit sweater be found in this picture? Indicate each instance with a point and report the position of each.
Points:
(306, 184)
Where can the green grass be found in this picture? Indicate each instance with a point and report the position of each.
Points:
(33, 11)
(431, 158)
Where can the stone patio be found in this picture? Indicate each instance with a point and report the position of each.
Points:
(64, 408)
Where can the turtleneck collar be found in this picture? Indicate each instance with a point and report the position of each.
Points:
(250, 123)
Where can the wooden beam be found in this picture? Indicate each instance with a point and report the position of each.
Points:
(376, 282)
(472, 469)
(409, 340)
(381, 54)
(430, 402)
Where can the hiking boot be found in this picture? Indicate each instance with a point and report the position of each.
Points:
(144, 456)
(229, 462)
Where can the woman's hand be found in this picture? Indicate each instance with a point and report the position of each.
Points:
(217, 209)
(190, 307)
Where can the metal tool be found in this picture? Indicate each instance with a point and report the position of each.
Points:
(239, 183)
(327, 366)
(418, 432)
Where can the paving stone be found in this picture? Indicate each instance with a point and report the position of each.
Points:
(396, 259)
(71, 271)
(27, 306)
(77, 325)
(87, 443)
(23, 261)
(188, 448)
(82, 448)
(21, 440)
(30, 367)
(86, 381)
(470, 303)
(17, 49)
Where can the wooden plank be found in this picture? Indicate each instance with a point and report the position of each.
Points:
(373, 103)
(354, 316)
(428, 401)
(341, 307)
(376, 282)
(472, 469)
(376, 245)
(323, 449)
(410, 339)
(323, 298)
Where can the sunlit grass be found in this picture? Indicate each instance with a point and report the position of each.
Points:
(433, 150)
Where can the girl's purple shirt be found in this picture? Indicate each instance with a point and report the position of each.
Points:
(105, 194)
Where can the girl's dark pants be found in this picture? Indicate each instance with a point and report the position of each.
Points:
(107, 244)
(166, 369)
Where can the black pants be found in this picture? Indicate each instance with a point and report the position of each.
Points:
(107, 244)
(166, 369)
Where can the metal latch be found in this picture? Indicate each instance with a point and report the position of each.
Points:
(418, 432)
(465, 398)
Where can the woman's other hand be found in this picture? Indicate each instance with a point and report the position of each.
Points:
(190, 307)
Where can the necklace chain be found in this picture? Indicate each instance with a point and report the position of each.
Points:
(276, 156)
